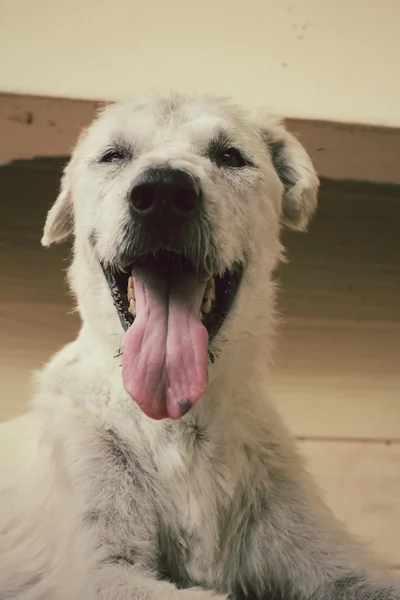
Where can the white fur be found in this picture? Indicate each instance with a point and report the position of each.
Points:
(94, 495)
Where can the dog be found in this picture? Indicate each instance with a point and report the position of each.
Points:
(151, 465)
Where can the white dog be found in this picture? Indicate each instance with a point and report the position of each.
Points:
(151, 464)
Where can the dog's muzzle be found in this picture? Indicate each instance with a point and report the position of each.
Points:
(170, 305)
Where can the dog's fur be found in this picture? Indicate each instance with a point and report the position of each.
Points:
(100, 502)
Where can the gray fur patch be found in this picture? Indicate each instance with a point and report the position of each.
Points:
(124, 458)
(171, 556)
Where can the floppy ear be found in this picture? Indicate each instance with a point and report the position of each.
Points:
(59, 220)
(296, 172)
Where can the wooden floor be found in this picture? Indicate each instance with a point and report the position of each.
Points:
(336, 379)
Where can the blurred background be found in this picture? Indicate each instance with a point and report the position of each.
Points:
(332, 70)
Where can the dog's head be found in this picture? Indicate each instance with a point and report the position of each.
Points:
(176, 203)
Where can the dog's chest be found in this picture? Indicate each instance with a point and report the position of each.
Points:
(190, 537)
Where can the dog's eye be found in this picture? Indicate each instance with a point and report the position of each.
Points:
(230, 157)
(113, 155)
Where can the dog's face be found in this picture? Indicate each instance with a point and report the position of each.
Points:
(177, 203)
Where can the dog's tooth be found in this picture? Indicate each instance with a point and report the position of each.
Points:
(206, 306)
(209, 294)
(132, 307)
(212, 288)
(131, 289)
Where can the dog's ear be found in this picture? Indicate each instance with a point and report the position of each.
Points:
(59, 220)
(296, 172)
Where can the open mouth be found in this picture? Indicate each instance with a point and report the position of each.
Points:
(171, 311)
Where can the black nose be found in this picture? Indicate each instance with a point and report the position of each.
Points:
(165, 197)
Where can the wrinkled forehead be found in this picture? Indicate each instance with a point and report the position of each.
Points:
(157, 121)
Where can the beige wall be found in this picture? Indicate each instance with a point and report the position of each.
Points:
(320, 59)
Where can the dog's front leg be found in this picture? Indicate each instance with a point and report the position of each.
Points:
(117, 582)
(356, 587)
(294, 550)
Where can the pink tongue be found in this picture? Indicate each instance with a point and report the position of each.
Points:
(165, 351)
